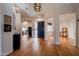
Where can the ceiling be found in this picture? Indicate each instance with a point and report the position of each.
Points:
(48, 9)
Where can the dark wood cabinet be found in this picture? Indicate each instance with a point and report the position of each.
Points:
(64, 32)
(30, 32)
(16, 41)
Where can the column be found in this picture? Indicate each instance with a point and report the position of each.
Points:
(56, 30)
(46, 33)
(18, 23)
(34, 29)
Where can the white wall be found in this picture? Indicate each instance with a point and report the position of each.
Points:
(78, 34)
(7, 37)
(18, 22)
(76, 9)
(69, 21)
(49, 33)
(0, 29)
(66, 20)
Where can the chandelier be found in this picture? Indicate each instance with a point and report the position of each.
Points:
(37, 7)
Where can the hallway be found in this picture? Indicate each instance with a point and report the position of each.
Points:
(41, 47)
(26, 29)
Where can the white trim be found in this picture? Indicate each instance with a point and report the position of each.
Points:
(5, 54)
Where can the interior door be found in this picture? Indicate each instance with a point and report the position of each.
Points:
(30, 31)
(41, 29)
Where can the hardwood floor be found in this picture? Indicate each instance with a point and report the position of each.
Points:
(41, 47)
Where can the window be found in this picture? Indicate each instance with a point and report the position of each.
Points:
(49, 28)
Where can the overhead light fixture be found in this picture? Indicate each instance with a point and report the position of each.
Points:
(37, 7)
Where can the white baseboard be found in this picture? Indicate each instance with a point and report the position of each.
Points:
(5, 54)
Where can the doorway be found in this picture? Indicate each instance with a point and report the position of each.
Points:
(30, 32)
(68, 27)
(64, 32)
(41, 29)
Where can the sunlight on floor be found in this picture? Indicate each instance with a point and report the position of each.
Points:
(24, 41)
(49, 41)
(35, 43)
